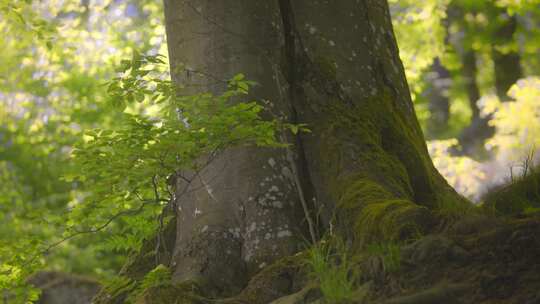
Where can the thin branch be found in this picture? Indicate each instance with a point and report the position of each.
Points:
(301, 196)
(89, 231)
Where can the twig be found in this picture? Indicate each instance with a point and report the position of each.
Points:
(92, 230)
(298, 185)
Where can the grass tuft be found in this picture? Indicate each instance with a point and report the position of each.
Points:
(333, 267)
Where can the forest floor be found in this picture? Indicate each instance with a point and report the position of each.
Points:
(480, 260)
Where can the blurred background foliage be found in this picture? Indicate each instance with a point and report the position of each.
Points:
(56, 57)
(473, 68)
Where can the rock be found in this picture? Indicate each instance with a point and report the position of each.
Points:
(64, 288)
(475, 224)
(434, 248)
(445, 294)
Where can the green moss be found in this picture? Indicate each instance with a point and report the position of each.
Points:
(389, 254)
(452, 208)
(376, 139)
(378, 170)
(362, 190)
(389, 220)
(376, 213)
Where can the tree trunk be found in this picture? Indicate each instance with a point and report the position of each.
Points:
(473, 136)
(241, 213)
(507, 71)
(440, 81)
(507, 65)
(471, 85)
(363, 171)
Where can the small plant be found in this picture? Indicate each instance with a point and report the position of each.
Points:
(159, 276)
(520, 195)
(332, 267)
(117, 283)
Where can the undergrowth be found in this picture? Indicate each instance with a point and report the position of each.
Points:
(389, 254)
(521, 195)
(333, 267)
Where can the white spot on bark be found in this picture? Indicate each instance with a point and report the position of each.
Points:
(271, 162)
(252, 227)
(210, 191)
(277, 204)
(285, 171)
(235, 232)
(284, 233)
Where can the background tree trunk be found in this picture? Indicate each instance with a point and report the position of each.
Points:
(507, 65)
(469, 74)
(478, 130)
(507, 71)
(440, 81)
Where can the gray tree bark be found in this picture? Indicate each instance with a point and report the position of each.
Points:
(364, 171)
(241, 213)
(333, 65)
